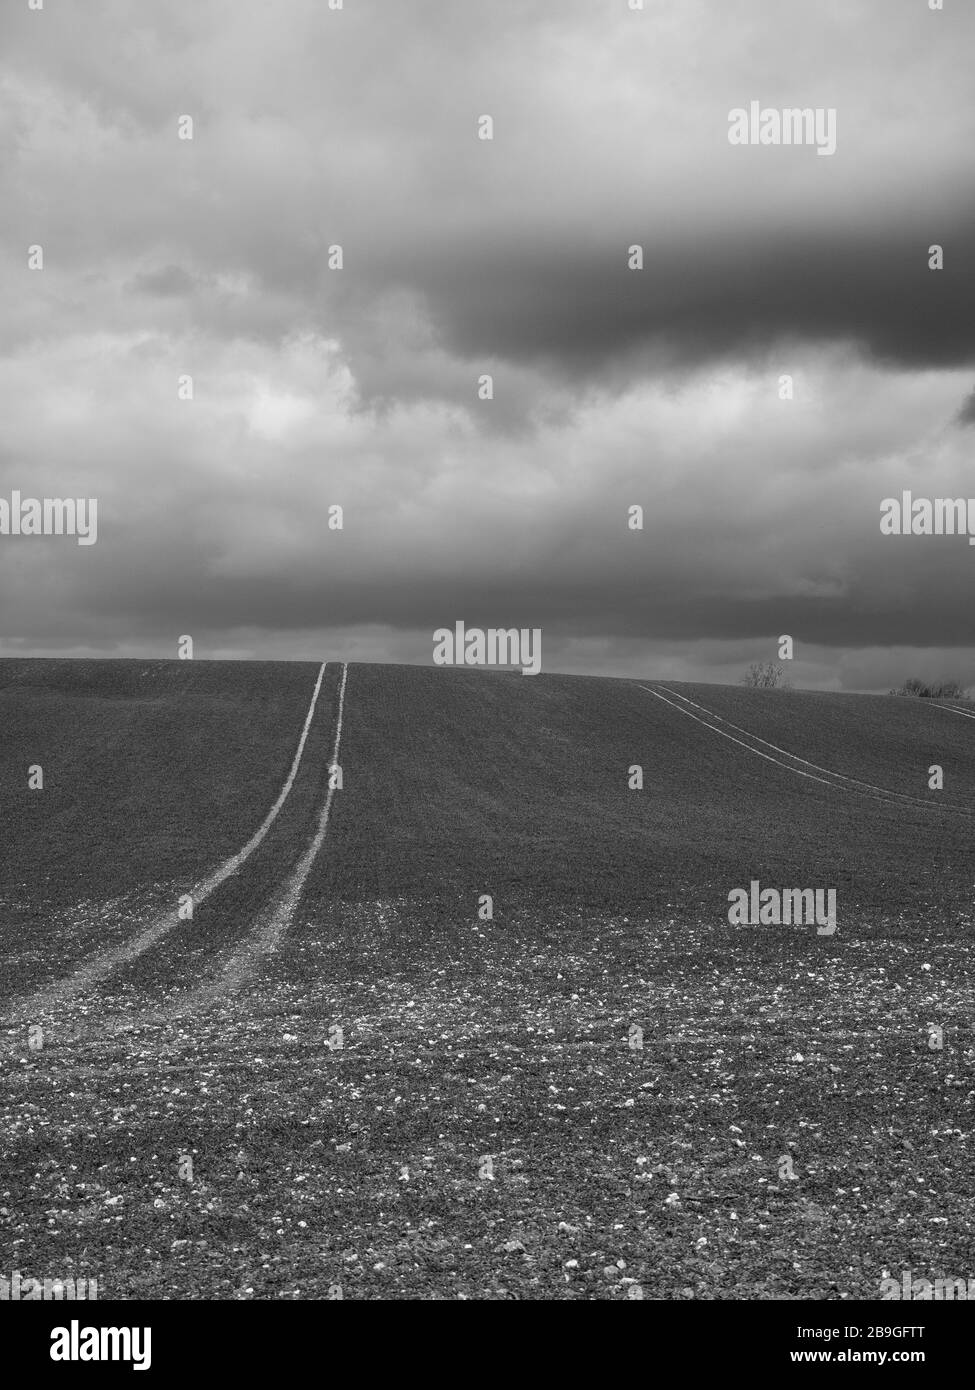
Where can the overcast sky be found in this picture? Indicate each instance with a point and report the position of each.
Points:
(612, 387)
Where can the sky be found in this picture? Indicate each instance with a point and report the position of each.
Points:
(315, 387)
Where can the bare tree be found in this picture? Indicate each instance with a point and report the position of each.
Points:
(765, 677)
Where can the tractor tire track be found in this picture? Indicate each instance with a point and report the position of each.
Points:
(268, 934)
(952, 709)
(837, 780)
(105, 962)
(907, 797)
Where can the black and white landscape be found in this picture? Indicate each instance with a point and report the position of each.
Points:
(487, 769)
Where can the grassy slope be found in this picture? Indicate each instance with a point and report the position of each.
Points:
(518, 787)
(510, 1038)
(880, 739)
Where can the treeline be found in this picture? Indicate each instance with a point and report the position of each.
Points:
(933, 690)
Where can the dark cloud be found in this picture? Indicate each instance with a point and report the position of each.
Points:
(966, 416)
(711, 299)
(463, 258)
(170, 281)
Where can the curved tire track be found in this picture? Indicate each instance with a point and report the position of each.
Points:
(104, 962)
(838, 780)
(267, 936)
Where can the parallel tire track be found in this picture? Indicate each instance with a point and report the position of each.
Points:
(908, 797)
(965, 714)
(104, 962)
(267, 937)
(837, 780)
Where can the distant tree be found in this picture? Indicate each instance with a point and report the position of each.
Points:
(765, 677)
(933, 690)
(950, 690)
(913, 687)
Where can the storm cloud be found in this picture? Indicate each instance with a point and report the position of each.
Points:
(662, 387)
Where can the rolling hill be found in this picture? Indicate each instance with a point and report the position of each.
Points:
(385, 1089)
